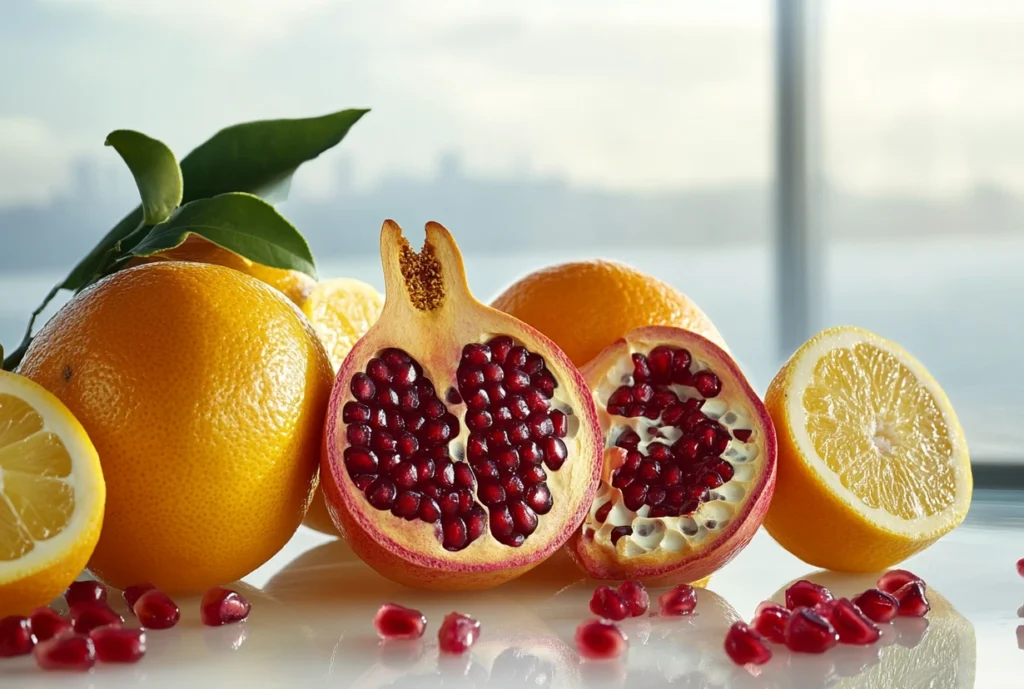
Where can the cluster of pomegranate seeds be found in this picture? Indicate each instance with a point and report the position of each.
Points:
(85, 592)
(634, 593)
(68, 651)
(118, 644)
(48, 623)
(746, 646)
(221, 606)
(394, 621)
(88, 616)
(680, 600)
(770, 621)
(600, 640)
(877, 606)
(457, 633)
(674, 479)
(806, 594)
(155, 609)
(132, 593)
(16, 637)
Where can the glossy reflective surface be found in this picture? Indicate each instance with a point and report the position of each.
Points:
(312, 607)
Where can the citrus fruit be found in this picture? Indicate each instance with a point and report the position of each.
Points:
(341, 311)
(204, 391)
(293, 284)
(51, 496)
(586, 305)
(872, 463)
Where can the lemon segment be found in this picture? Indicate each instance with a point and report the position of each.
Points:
(341, 311)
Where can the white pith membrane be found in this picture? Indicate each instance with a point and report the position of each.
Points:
(672, 534)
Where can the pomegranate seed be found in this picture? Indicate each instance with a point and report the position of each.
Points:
(363, 388)
(47, 623)
(876, 605)
(808, 632)
(457, 633)
(770, 621)
(707, 383)
(912, 600)
(806, 594)
(895, 579)
(660, 363)
(641, 371)
(156, 610)
(560, 423)
(635, 594)
(600, 640)
(680, 600)
(393, 621)
(608, 604)
(118, 645)
(476, 354)
(66, 652)
(16, 636)
(602, 512)
(745, 646)
(223, 606)
(743, 434)
(1020, 566)
(852, 625)
(620, 531)
(85, 592)
(89, 616)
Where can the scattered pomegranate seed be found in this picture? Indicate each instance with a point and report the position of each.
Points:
(912, 600)
(826, 608)
(118, 644)
(457, 633)
(48, 623)
(746, 646)
(66, 651)
(393, 621)
(600, 640)
(607, 603)
(877, 606)
(1020, 566)
(132, 593)
(635, 594)
(895, 579)
(88, 616)
(806, 594)
(852, 624)
(85, 592)
(680, 600)
(15, 636)
(770, 621)
(156, 610)
(808, 632)
(223, 606)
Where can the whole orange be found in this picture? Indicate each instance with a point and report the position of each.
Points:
(204, 392)
(586, 305)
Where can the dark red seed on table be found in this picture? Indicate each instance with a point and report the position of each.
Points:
(16, 637)
(600, 640)
(1020, 566)
(223, 606)
(85, 592)
(132, 593)
(394, 621)
(118, 644)
(635, 594)
(808, 632)
(156, 610)
(770, 621)
(852, 625)
(745, 646)
(877, 606)
(895, 579)
(911, 600)
(88, 616)
(806, 594)
(607, 603)
(457, 633)
(47, 623)
(68, 651)
(680, 600)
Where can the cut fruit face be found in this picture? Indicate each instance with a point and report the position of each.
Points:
(689, 460)
(341, 311)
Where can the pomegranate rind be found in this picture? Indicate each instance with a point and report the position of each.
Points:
(410, 552)
(661, 567)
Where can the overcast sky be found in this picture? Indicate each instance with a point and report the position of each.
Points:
(639, 95)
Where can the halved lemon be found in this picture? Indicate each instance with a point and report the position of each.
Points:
(341, 311)
(872, 464)
(51, 496)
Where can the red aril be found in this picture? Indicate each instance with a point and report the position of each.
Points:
(48, 623)
(679, 600)
(634, 593)
(806, 594)
(895, 579)
(1020, 566)
(607, 603)
(689, 460)
(118, 644)
(85, 592)
(852, 625)
(68, 651)
(222, 606)
(156, 610)
(88, 616)
(745, 646)
(770, 621)
(16, 637)
(457, 633)
(808, 632)
(877, 606)
(911, 600)
(394, 621)
(461, 446)
(132, 593)
(600, 640)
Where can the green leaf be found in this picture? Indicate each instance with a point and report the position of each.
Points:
(155, 169)
(239, 222)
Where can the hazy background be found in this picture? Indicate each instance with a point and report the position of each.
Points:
(542, 131)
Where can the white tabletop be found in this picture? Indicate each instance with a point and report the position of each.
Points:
(312, 605)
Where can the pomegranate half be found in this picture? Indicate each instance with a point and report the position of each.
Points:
(689, 460)
(461, 446)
